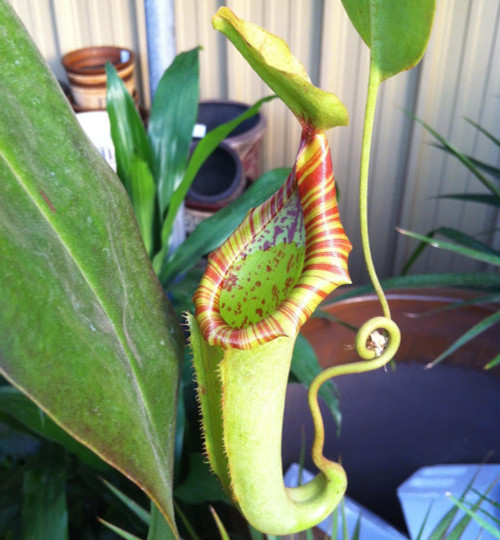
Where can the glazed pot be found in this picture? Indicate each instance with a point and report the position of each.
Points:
(86, 72)
(245, 140)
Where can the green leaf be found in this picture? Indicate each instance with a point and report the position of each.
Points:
(270, 57)
(396, 32)
(484, 131)
(201, 485)
(120, 532)
(305, 367)
(222, 529)
(171, 123)
(44, 512)
(212, 232)
(478, 280)
(143, 195)
(473, 332)
(135, 508)
(203, 149)
(183, 518)
(159, 529)
(460, 304)
(455, 248)
(127, 129)
(493, 363)
(478, 164)
(16, 405)
(494, 531)
(483, 198)
(85, 329)
(453, 234)
(450, 148)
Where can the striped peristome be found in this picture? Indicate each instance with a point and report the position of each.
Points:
(286, 256)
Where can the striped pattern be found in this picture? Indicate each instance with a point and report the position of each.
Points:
(325, 261)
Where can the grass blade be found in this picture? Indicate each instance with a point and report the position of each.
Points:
(424, 523)
(461, 157)
(493, 363)
(143, 196)
(44, 512)
(491, 200)
(466, 252)
(472, 514)
(357, 529)
(452, 234)
(484, 131)
(481, 165)
(222, 530)
(135, 508)
(117, 530)
(127, 128)
(459, 304)
(480, 280)
(473, 332)
(185, 522)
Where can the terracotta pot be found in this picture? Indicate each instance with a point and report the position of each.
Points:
(245, 140)
(219, 182)
(86, 73)
(425, 334)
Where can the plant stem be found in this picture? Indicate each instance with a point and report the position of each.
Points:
(371, 101)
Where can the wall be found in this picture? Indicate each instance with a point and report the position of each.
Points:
(459, 77)
(60, 26)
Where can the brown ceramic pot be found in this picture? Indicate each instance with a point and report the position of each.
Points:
(86, 73)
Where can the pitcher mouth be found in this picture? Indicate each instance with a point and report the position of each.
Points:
(289, 253)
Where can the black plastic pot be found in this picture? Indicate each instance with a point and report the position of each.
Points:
(245, 140)
(219, 182)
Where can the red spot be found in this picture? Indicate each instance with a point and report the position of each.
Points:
(259, 312)
(229, 282)
(48, 201)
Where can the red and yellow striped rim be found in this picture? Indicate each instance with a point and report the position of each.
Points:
(324, 262)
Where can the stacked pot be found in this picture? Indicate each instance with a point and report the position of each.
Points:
(86, 72)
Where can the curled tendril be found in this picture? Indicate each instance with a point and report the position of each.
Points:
(370, 362)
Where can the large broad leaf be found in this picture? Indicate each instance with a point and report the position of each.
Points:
(85, 329)
(396, 32)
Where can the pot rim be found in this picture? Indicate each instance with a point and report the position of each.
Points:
(72, 60)
(255, 131)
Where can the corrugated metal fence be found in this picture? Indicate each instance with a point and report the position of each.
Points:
(459, 77)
